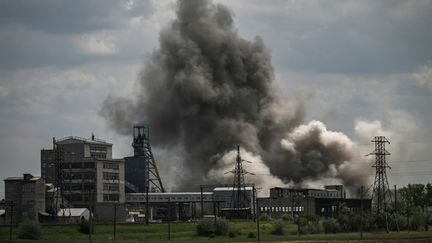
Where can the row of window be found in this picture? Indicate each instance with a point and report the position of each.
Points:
(98, 149)
(282, 209)
(75, 165)
(110, 197)
(110, 176)
(78, 187)
(98, 155)
(112, 166)
(78, 176)
(111, 187)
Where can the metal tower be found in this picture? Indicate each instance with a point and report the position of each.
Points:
(142, 148)
(240, 199)
(381, 190)
(58, 155)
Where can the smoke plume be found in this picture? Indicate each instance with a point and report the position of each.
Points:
(206, 89)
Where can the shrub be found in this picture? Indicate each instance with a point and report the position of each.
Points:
(398, 221)
(221, 227)
(84, 227)
(287, 217)
(278, 227)
(418, 221)
(251, 234)
(29, 230)
(331, 225)
(205, 228)
(234, 230)
(310, 224)
(265, 217)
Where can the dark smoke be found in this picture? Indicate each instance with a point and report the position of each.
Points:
(206, 89)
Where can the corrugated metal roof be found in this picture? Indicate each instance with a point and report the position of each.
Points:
(230, 188)
(72, 212)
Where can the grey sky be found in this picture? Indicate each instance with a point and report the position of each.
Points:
(354, 60)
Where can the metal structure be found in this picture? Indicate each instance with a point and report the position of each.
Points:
(239, 200)
(58, 201)
(142, 149)
(381, 191)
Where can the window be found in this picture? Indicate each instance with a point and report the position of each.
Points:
(98, 152)
(112, 166)
(110, 197)
(110, 176)
(111, 187)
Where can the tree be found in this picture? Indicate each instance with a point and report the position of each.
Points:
(415, 195)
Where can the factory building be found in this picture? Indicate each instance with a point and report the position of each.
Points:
(185, 205)
(86, 169)
(24, 198)
(304, 201)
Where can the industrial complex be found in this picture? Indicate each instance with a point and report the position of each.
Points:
(80, 179)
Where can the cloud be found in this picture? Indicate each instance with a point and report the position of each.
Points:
(423, 76)
(349, 37)
(68, 17)
(67, 33)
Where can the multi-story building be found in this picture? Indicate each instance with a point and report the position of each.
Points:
(24, 198)
(86, 168)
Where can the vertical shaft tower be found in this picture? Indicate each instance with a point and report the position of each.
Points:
(142, 148)
(381, 190)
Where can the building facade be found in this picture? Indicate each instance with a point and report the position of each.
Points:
(303, 201)
(24, 198)
(87, 170)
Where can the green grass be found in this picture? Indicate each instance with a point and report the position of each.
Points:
(185, 232)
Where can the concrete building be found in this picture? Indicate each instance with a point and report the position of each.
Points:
(88, 169)
(24, 197)
(303, 201)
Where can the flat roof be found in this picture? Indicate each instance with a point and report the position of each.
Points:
(20, 178)
(75, 139)
(167, 193)
(230, 188)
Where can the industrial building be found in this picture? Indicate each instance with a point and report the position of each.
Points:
(303, 201)
(81, 169)
(24, 198)
(185, 205)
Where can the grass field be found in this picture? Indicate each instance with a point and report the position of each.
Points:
(185, 232)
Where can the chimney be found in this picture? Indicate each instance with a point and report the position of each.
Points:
(92, 137)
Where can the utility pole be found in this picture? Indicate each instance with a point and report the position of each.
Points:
(395, 197)
(298, 214)
(115, 221)
(11, 205)
(169, 219)
(91, 215)
(147, 205)
(361, 213)
(202, 202)
(257, 218)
